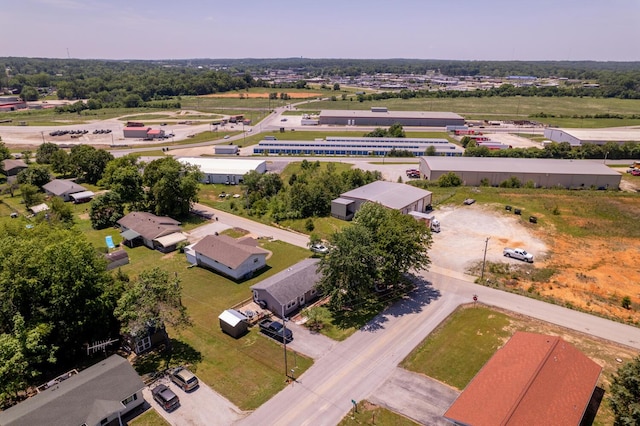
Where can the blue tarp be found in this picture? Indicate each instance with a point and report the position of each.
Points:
(109, 241)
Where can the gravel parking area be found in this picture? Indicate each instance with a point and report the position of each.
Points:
(461, 242)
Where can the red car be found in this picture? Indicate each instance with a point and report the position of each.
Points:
(635, 172)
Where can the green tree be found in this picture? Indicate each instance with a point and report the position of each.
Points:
(624, 394)
(336, 86)
(29, 93)
(60, 162)
(26, 155)
(37, 175)
(45, 152)
(61, 211)
(154, 297)
(4, 151)
(449, 179)
(31, 194)
(123, 177)
(106, 210)
(430, 151)
(372, 255)
(173, 186)
(89, 163)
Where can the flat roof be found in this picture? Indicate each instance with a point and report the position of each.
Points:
(609, 135)
(518, 165)
(389, 194)
(223, 165)
(389, 114)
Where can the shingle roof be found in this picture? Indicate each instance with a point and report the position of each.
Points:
(227, 250)
(87, 397)
(293, 282)
(389, 194)
(149, 225)
(12, 164)
(533, 380)
(63, 186)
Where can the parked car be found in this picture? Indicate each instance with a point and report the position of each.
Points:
(275, 330)
(165, 397)
(469, 201)
(518, 253)
(184, 378)
(319, 248)
(226, 136)
(635, 172)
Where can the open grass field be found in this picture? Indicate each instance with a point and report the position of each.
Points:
(149, 418)
(507, 108)
(461, 345)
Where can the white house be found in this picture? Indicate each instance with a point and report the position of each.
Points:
(235, 258)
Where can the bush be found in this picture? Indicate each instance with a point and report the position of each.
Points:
(626, 302)
(449, 179)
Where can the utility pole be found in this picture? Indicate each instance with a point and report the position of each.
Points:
(484, 259)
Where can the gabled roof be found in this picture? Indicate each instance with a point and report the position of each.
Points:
(150, 226)
(13, 164)
(62, 187)
(533, 380)
(228, 251)
(87, 397)
(39, 208)
(389, 194)
(232, 317)
(291, 283)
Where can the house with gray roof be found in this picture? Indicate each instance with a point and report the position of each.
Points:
(397, 196)
(100, 395)
(156, 232)
(288, 290)
(235, 258)
(63, 188)
(12, 167)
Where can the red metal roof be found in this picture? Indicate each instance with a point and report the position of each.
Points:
(533, 380)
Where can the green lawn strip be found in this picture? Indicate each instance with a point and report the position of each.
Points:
(456, 350)
(371, 414)
(329, 328)
(149, 418)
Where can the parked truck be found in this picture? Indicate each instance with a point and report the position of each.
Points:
(275, 330)
(518, 253)
(428, 218)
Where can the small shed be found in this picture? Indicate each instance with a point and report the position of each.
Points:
(116, 259)
(234, 323)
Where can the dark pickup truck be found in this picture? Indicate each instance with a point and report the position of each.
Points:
(275, 330)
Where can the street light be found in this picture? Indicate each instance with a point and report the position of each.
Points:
(605, 157)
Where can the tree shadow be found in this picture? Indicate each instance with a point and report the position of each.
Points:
(176, 354)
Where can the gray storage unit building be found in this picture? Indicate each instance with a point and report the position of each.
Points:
(233, 323)
(383, 117)
(545, 173)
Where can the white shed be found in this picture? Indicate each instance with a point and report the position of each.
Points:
(233, 323)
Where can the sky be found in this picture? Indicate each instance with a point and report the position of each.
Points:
(571, 30)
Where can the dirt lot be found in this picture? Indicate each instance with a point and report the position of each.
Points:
(595, 281)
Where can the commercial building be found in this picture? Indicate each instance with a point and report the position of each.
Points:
(358, 146)
(545, 173)
(532, 380)
(577, 137)
(224, 170)
(136, 132)
(380, 116)
(398, 196)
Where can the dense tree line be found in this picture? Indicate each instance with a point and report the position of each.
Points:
(306, 194)
(560, 150)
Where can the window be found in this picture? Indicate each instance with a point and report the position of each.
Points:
(104, 421)
(130, 399)
(143, 344)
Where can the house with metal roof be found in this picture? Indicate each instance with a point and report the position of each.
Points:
(236, 258)
(397, 196)
(288, 290)
(63, 188)
(577, 137)
(543, 172)
(156, 232)
(225, 170)
(100, 395)
(533, 379)
(381, 116)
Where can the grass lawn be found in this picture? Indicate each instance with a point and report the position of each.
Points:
(462, 344)
(149, 418)
(371, 414)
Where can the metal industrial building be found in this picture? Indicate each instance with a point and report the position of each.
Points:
(544, 173)
(224, 170)
(398, 196)
(357, 146)
(380, 116)
(577, 137)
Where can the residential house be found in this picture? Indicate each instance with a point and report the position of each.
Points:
(398, 196)
(100, 395)
(156, 232)
(288, 290)
(63, 188)
(11, 168)
(533, 379)
(235, 258)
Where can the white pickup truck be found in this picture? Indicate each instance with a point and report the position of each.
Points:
(518, 253)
